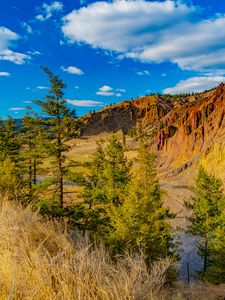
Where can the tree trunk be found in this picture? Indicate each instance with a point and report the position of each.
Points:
(60, 182)
(35, 172)
(30, 174)
(59, 140)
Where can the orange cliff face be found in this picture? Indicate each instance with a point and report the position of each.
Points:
(145, 110)
(191, 130)
(184, 130)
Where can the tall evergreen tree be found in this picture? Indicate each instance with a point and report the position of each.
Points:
(116, 171)
(61, 125)
(9, 141)
(32, 139)
(206, 206)
(216, 270)
(11, 174)
(106, 184)
(141, 221)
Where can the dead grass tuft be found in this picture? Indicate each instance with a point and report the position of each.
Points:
(40, 260)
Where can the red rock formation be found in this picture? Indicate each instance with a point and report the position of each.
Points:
(184, 130)
(191, 128)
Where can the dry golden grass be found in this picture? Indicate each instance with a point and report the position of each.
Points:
(198, 291)
(41, 260)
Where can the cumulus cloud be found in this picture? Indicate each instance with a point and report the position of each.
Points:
(107, 90)
(167, 31)
(72, 70)
(46, 11)
(7, 39)
(195, 84)
(4, 74)
(85, 103)
(15, 57)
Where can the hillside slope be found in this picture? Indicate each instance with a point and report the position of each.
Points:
(122, 116)
(185, 130)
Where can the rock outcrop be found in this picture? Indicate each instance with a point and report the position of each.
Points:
(191, 130)
(145, 110)
(185, 130)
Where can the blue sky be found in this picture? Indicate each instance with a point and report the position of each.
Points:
(108, 51)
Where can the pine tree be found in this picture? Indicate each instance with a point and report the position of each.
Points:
(141, 221)
(206, 206)
(61, 125)
(106, 184)
(11, 174)
(9, 142)
(216, 270)
(116, 172)
(32, 138)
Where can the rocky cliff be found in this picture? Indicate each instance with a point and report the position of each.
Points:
(145, 110)
(194, 133)
(184, 130)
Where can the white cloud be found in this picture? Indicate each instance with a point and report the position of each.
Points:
(85, 103)
(195, 84)
(72, 70)
(121, 90)
(15, 57)
(7, 39)
(27, 27)
(41, 87)
(4, 74)
(102, 93)
(27, 101)
(143, 73)
(107, 90)
(34, 53)
(16, 108)
(77, 87)
(166, 31)
(46, 11)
